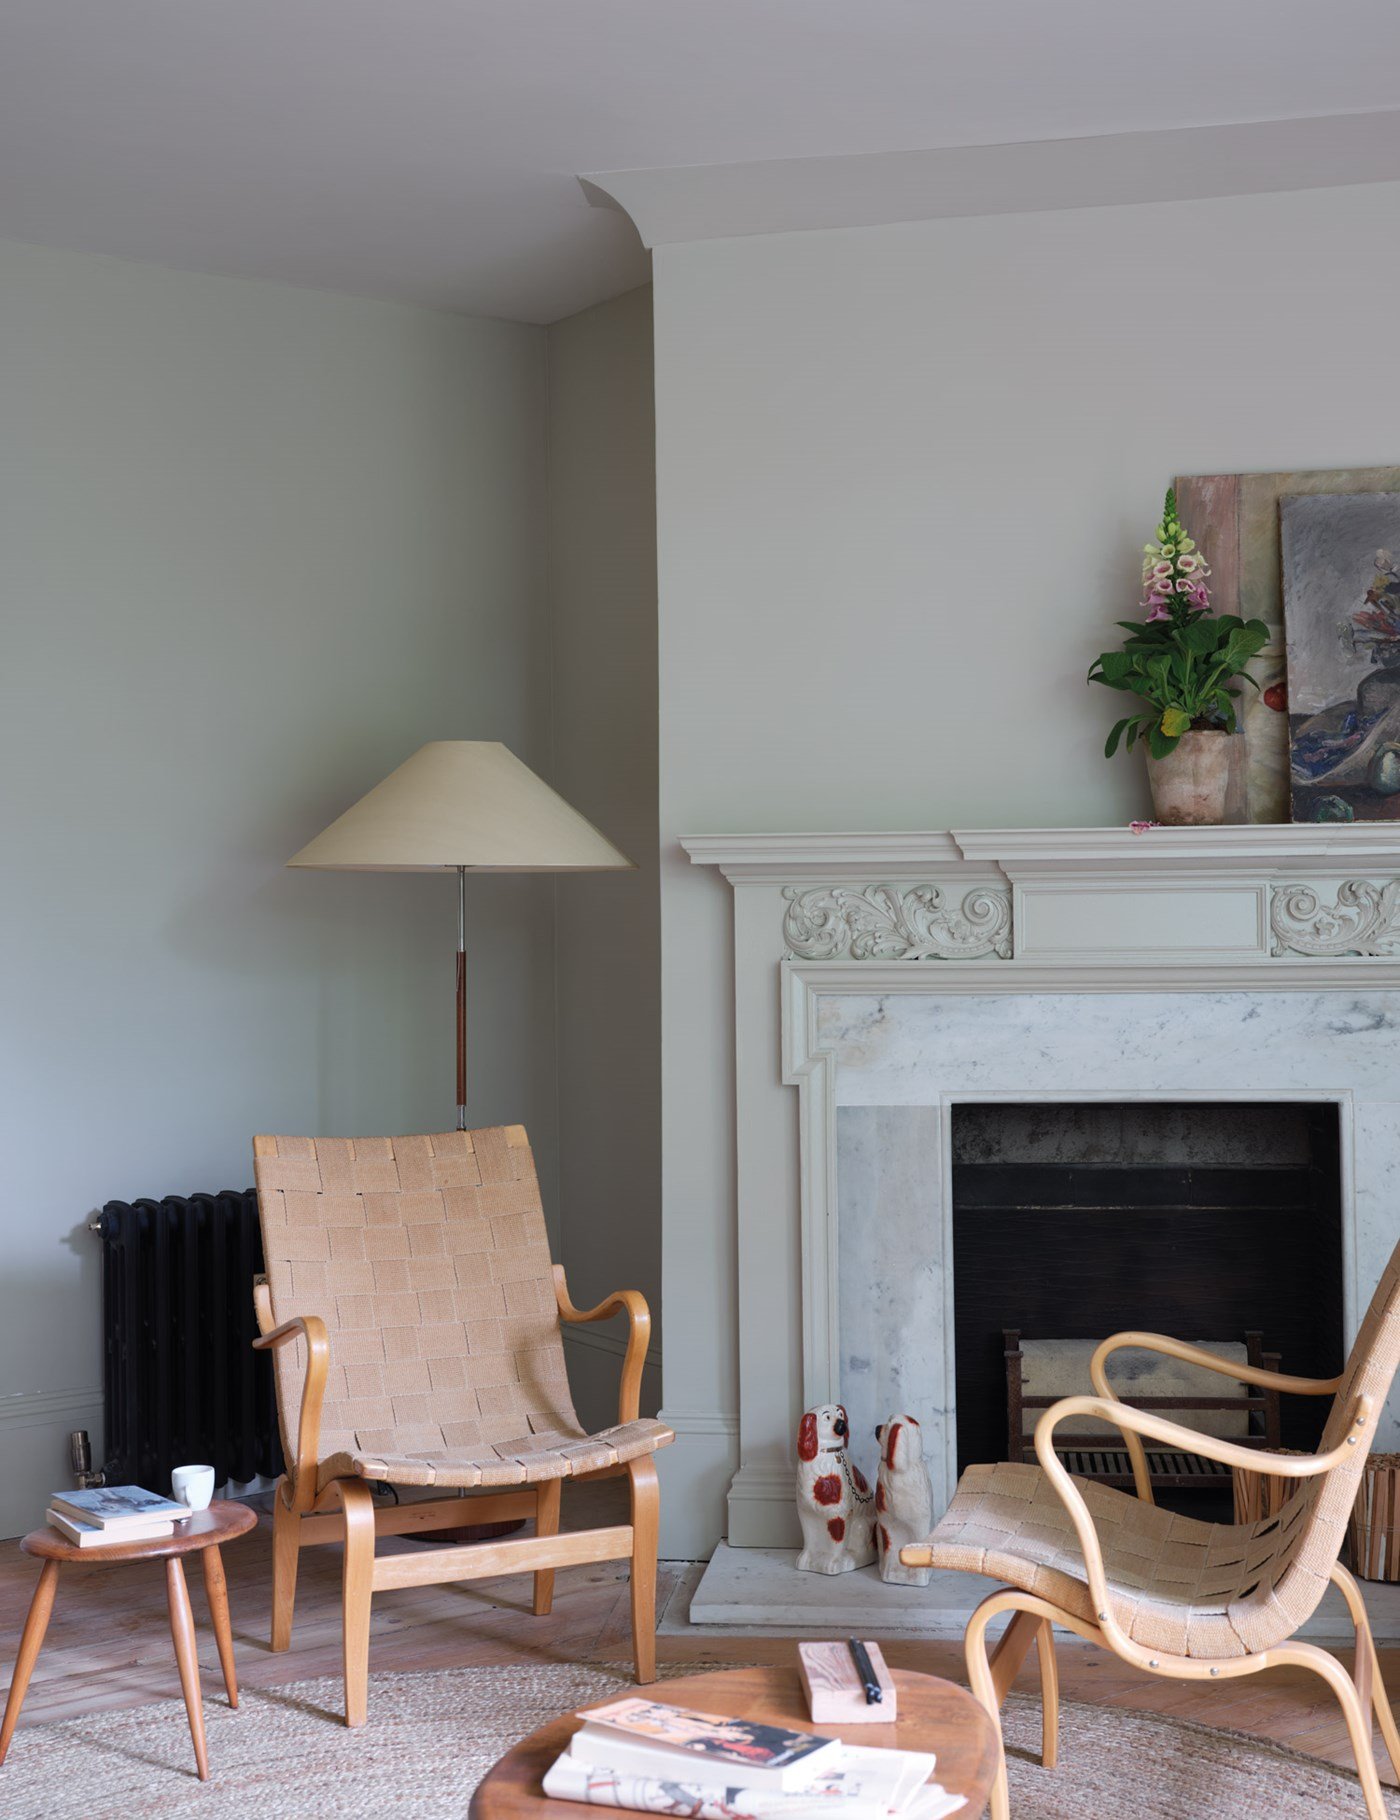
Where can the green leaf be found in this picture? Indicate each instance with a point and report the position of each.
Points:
(1200, 638)
(1175, 722)
(1244, 643)
(1131, 725)
(1114, 666)
(1160, 744)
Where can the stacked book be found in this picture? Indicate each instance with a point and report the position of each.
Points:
(113, 1513)
(658, 1759)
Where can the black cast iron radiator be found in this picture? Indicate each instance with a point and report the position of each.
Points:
(181, 1381)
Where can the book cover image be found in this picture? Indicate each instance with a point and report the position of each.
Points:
(116, 1503)
(707, 1735)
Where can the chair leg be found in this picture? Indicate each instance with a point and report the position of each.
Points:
(1358, 1719)
(1049, 1694)
(547, 1498)
(979, 1673)
(646, 1509)
(1011, 1650)
(357, 1586)
(1370, 1683)
(286, 1545)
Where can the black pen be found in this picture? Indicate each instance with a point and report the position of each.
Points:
(864, 1668)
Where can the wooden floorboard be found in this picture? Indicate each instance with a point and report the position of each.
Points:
(109, 1642)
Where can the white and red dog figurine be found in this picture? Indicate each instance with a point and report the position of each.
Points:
(903, 1499)
(833, 1499)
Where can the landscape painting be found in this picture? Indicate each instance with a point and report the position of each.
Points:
(1234, 518)
(1341, 603)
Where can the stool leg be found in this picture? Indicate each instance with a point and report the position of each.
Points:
(29, 1646)
(216, 1586)
(182, 1631)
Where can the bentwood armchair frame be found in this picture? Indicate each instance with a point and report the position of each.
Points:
(325, 1494)
(345, 1510)
(992, 1670)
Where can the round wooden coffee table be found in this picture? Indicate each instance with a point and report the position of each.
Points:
(201, 1533)
(934, 1716)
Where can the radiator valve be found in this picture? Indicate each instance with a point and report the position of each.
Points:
(80, 1459)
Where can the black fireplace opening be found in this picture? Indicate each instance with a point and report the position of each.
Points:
(1202, 1220)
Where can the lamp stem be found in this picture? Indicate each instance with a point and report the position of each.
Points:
(461, 998)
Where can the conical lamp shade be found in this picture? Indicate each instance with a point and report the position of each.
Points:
(461, 802)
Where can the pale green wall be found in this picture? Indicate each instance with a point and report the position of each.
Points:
(602, 514)
(258, 545)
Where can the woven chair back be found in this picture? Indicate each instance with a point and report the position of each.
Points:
(427, 1259)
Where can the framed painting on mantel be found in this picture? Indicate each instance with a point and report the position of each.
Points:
(1341, 608)
(1234, 518)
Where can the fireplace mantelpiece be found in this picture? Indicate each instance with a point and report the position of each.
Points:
(853, 954)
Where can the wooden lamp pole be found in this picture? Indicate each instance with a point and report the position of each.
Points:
(461, 998)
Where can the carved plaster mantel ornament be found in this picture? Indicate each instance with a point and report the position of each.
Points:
(896, 923)
(1365, 919)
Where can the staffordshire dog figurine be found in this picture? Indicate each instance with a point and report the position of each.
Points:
(833, 1499)
(903, 1499)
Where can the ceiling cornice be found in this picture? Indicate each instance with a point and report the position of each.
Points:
(717, 201)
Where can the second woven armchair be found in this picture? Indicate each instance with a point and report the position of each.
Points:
(415, 1316)
(1175, 1597)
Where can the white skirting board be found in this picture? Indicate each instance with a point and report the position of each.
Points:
(759, 1589)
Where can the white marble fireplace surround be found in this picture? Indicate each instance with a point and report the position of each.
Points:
(882, 979)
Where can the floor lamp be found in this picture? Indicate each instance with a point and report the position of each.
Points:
(463, 805)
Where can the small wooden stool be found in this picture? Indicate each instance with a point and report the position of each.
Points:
(203, 1533)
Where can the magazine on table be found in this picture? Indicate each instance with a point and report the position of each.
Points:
(92, 1535)
(649, 1738)
(115, 1506)
(869, 1785)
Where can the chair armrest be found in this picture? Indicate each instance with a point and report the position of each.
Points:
(1142, 1422)
(1208, 1361)
(633, 1304)
(1190, 1440)
(312, 1329)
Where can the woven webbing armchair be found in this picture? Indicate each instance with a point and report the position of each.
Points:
(415, 1319)
(1173, 1596)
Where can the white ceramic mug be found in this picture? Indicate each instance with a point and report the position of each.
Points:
(193, 1486)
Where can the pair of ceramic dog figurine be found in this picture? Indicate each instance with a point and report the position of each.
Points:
(843, 1525)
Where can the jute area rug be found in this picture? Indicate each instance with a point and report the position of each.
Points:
(284, 1756)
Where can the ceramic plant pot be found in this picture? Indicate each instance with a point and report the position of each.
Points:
(1191, 784)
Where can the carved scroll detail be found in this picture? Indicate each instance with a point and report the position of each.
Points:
(1363, 920)
(896, 923)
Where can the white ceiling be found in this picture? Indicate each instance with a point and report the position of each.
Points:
(427, 149)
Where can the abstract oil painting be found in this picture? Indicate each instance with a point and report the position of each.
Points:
(1235, 520)
(1341, 605)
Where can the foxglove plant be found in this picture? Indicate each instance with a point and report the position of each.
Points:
(1180, 657)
